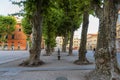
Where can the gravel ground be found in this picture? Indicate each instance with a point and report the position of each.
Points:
(50, 62)
(46, 75)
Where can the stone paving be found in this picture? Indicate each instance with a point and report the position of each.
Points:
(7, 56)
(53, 69)
(46, 75)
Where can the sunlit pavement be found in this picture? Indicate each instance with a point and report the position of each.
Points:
(6, 56)
(90, 55)
(53, 65)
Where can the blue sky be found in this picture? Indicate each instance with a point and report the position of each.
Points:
(6, 7)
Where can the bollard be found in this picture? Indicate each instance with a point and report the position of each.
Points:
(58, 54)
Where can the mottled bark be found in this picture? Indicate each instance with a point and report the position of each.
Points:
(82, 50)
(105, 55)
(71, 42)
(35, 50)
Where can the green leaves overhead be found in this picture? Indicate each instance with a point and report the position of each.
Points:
(72, 15)
(27, 27)
(7, 24)
(52, 19)
(30, 6)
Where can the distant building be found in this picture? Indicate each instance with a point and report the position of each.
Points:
(59, 41)
(91, 41)
(76, 43)
(17, 40)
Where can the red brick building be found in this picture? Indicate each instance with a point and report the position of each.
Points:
(17, 40)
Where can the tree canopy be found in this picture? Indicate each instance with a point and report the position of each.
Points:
(27, 27)
(7, 25)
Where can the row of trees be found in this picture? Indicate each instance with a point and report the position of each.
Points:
(63, 17)
(60, 19)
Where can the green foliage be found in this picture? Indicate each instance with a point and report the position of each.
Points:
(27, 27)
(7, 26)
(46, 10)
(51, 21)
(59, 15)
(30, 6)
(72, 16)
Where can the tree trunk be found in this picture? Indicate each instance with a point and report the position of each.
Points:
(3, 43)
(82, 49)
(105, 55)
(35, 50)
(48, 48)
(28, 43)
(65, 40)
(27, 47)
(71, 42)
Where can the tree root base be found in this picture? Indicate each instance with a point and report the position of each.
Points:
(79, 62)
(28, 63)
(94, 75)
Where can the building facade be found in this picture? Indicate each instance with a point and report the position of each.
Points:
(91, 41)
(16, 40)
(76, 43)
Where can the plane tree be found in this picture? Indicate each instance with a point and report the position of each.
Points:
(34, 10)
(71, 22)
(85, 8)
(106, 65)
(64, 28)
(52, 20)
(75, 19)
